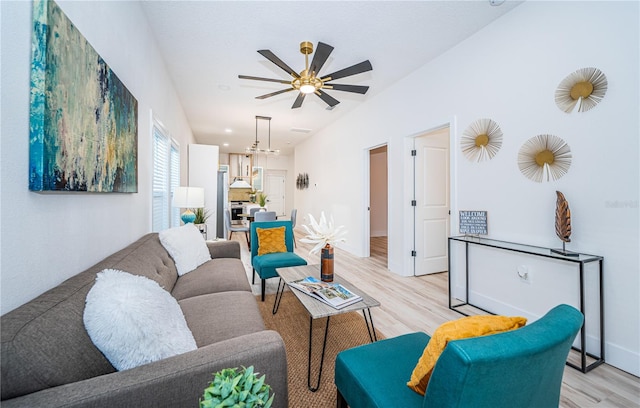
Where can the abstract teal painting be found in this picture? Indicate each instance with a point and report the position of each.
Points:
(83, 120)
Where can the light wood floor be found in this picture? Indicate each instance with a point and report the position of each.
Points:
(410, 304)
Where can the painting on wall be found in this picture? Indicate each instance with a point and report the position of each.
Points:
(83, 120)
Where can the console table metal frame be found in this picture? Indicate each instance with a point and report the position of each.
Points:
(580, 259)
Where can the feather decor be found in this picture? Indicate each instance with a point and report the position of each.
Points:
(481, 140)
(544, 157)
(563, 218)
(581, 90)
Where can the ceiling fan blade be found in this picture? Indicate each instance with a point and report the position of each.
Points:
(364, 66)
(272, 57)
(349, 88)
(280, 81)
(274, 93)
(331, 101)
(299, 100)
(320, 57)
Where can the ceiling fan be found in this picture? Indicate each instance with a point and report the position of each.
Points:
(308, 81)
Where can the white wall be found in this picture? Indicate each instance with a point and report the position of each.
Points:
(509, 72)
(47, 238)
(203, 172)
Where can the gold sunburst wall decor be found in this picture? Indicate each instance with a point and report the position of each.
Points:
(481, 140)
(581, 90)
(544, 158)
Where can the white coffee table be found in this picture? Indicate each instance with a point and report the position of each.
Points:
(318, 309)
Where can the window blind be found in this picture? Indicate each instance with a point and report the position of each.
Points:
(166, 177)
(175, 182)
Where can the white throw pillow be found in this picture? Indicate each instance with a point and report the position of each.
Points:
(187, 247)
(133, 321)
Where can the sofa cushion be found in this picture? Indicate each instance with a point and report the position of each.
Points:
(187, 247)
(463, 328)
(217, 275)
(45, 344)
(133, 321)
(145, 257)
(221, 316)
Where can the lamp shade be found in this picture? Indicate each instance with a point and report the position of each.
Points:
(188, 197)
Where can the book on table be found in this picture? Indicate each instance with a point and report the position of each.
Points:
(331, 293)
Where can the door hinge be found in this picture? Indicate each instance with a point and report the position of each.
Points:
(414, 152)
(414, 203)
(414, 253)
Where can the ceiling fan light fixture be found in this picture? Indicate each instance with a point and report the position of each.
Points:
(309, 81)
(307, 88)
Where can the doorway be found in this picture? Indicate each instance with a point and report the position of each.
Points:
(378, 204)
(275, 183)
(432, 200)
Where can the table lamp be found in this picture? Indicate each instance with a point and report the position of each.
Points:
(188, 197)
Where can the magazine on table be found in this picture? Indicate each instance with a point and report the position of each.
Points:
(331, 293)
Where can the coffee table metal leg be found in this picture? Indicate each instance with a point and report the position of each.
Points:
(279, 293)
(324, 346)
(372, 330)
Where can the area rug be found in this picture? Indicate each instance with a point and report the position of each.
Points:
(292, 322)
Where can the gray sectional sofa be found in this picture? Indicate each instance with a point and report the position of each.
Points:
(49, 360)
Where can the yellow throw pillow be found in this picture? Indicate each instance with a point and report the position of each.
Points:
(466, 327)
(271, 240)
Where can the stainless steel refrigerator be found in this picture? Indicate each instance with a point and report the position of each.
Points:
(223, 203)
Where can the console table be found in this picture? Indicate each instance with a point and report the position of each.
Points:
(578, 258)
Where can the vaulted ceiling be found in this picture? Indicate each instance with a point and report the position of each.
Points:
(207, 44)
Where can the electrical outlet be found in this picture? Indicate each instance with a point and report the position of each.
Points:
(524, 274)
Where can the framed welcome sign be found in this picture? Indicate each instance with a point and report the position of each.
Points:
(83, 120)
(473, 222)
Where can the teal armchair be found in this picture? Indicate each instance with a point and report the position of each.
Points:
(265, 265)
(520, 368)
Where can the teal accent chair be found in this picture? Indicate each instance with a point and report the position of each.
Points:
(265, 265)
(520, 368)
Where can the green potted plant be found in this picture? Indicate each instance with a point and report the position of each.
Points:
(231, 388)
(262, 199)
(202, 215)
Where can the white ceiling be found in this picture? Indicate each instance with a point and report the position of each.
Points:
(207, 44)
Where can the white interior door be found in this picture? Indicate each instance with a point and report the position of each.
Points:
(275, 190)
(432, 201)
